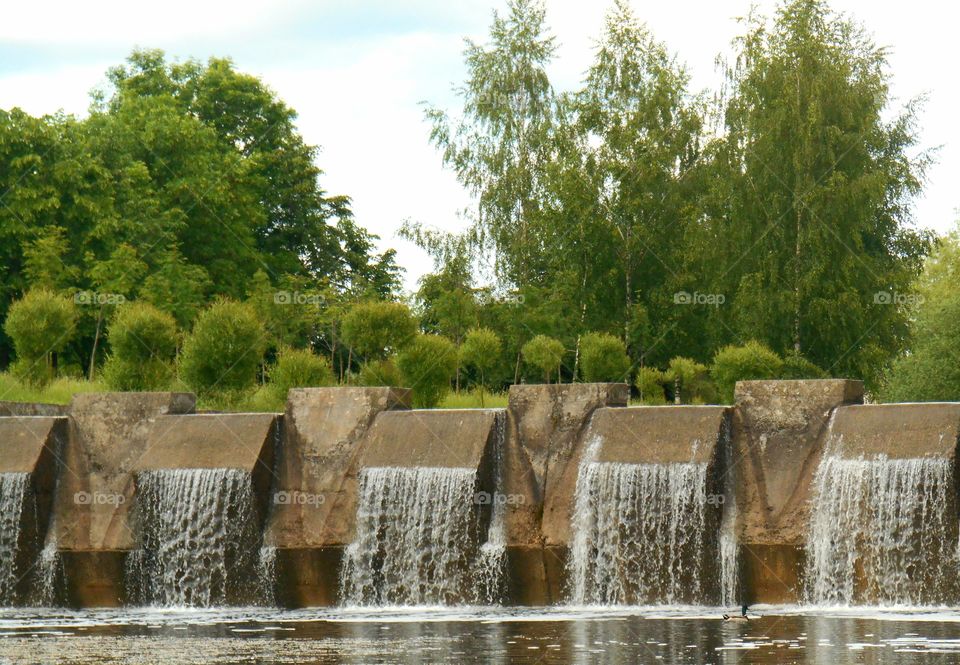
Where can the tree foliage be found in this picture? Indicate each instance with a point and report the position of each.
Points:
(223, 351)
(427, 366)
(40, 325)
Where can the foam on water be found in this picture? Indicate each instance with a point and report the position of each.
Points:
(199, 539)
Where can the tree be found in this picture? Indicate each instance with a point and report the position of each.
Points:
(546, 354)
(748, 362)
(690, 381)
(481, 350)
(40, 324)
(143, 347)
(811, 217)
(650, 382)
(929, 370)
(377, 330)
(223, 351)
(427, 365)
(604, 358)
(299, 368)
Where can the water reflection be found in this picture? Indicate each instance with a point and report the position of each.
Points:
(481, 636)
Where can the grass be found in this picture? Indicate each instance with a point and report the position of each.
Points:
(59, 391)
(258, 399)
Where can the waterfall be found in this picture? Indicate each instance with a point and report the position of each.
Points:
(881, 532)
(199, 538)
(417, 538)
(13, 499)
(639, 532)
(729, 545)
(490, 569)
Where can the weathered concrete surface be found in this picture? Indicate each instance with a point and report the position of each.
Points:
(108, 439)
(544, 443)
(779, 430)
(659, 434)
(309, 576)
(319, 460)
(897, 431)
(32, 445)
(8, 408)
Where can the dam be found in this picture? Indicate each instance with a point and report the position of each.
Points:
(797, 494)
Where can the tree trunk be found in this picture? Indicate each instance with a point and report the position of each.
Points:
(96, 341)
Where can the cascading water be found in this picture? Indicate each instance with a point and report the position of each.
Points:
(13, 499)
(199, 539)
(729, 545)
(880, 532)
(490, 570)
(640, 533)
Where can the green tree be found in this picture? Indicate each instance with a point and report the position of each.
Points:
(143, 347)
(299, 368)
(604, 358)
(811, 216)
(377, 330)
(650, 382)
(481, 350)
(929, 370)
(546, 354)
(748, 362)
(427, 365)
(222, 353)
(690, 381)
(40, 325)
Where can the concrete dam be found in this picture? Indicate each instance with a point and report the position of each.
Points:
(797, 494)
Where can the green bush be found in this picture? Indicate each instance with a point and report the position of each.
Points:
(380, 373)
(299, 368)
(40, 324)
(692, 379)
(544, 353)
(427, 365)
(377, 330)
(603, 357)
(143, 347)
(795, 366)
(224, 349)
(751, 361)
(649, 383)
(481, 350)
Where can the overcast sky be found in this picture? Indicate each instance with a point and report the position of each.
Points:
(357, 70)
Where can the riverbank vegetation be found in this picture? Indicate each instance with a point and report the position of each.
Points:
(631, 229)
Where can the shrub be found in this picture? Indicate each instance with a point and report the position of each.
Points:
(481, 350)
(143, 347)
(380, 373)
(224, 349)
(299, 368)
(376, 330)
(751, 361)
(40, 324)
(427, 366)
(650, 382)
(692, 379)
(603, 357)
(544, 353)
(795, 366)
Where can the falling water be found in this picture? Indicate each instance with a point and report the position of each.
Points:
(639, 532)
(198, 538)
(880, 532)
(13, 498)
(417, 538)
(490, 569)
(729, 545)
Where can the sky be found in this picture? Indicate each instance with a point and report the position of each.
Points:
(359, 71)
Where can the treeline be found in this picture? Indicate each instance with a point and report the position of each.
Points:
(187, 182)
(776, 209)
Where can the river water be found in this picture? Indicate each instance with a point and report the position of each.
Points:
(482, 635)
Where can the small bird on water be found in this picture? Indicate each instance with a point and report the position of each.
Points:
(743, 616)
